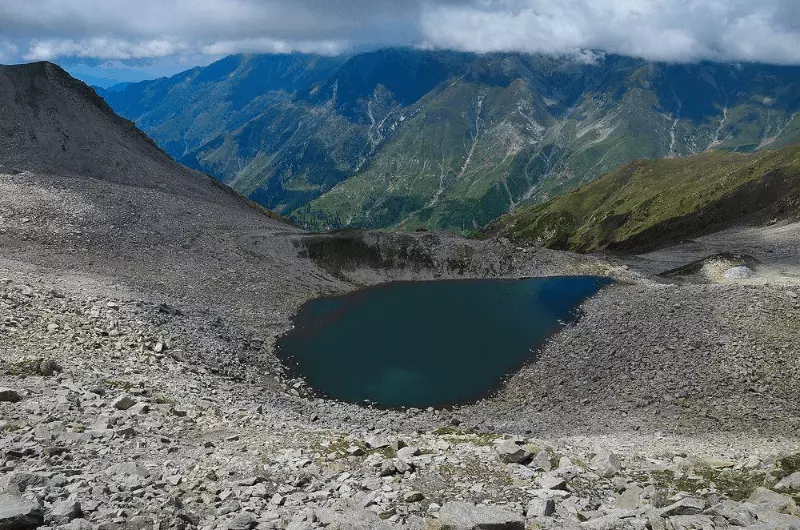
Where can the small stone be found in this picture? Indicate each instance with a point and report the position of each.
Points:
(414, 496)
(243, 521)
(377, 442)
(277, 500)
(124, 402)
(355, 450)
(687, 506)
(48, 367)
(8, 395)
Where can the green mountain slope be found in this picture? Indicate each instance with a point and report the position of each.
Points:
(647, 204)
(409, 139)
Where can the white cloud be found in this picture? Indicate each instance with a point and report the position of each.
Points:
(103, 48)
(669, 30)
(7, 50)
(266, 45)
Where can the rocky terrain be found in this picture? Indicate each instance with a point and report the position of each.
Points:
(139, 310)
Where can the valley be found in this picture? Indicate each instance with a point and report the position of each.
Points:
(141, 302)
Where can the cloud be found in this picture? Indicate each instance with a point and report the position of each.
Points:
(8, 50)
(668, 30)
(103, 48)
(266, 45)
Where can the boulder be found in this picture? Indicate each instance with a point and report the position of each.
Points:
(606, 464)
(377, 442)
(767, 500)
(466, 516)
(541, 462)
(541, 508)
(8, 395)
(65, 511)
(511, 453)
(19, 513)
(407, 454)
(552, 482)
(733, 512)
(776, 521)
(790, 483)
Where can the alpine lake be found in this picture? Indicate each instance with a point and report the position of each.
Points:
(428, 344)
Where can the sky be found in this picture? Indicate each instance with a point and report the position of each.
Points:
(128, 40)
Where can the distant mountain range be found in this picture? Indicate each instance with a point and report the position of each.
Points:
(408, 139)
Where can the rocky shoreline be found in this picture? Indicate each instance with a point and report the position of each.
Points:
(109, 421)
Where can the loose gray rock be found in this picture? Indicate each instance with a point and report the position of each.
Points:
(19, 513)
(690, 522)
(552, 482)
(65, 511)
(466, 516)
(606, 464)
(243, 521)
(767, 500)
(790, 483)
(124, 402)
(414, 496)
(511, 453)
(377, 442)
(687, 506)
(8, 395)
(541, 462)
(733, 512)
(541, 508)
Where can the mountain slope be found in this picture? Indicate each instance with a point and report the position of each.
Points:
(411, 139)
(648, 204)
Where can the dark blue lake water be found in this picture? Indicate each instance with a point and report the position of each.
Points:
(420, 344)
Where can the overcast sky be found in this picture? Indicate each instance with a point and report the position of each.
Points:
(148, 38)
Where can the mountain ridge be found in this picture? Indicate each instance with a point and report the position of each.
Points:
(649, 204)
(408, 139)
